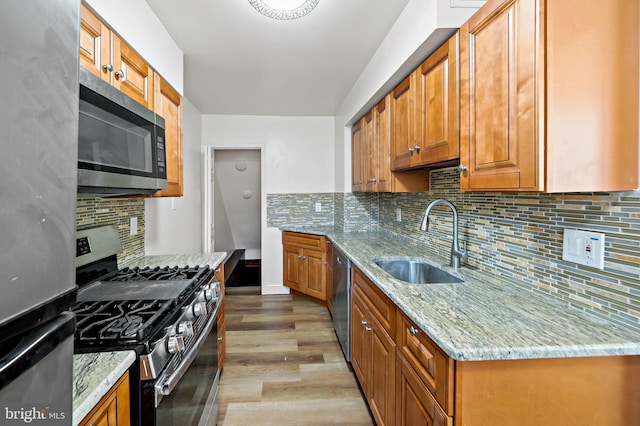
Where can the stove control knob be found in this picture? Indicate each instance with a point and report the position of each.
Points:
(205, 295)
(175, 344)
(199, 309)
(185, 329)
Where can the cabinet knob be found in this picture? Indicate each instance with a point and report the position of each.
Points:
(373, 180)
(413, 331)
(416, 148)
(107, 67)
(410, 150)
(363, 322)
(220, 339)
(367, 328)
(461, 168)
(119, 74)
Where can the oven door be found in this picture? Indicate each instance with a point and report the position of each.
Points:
(194, 398)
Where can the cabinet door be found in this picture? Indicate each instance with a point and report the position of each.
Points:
(357, 149)
(498, 57)
(222, 336)
(168, 103)
(292, 268)
(329, 276)
(382, 378)
(359, 339)
(369, 152)
(402, 122)
(315, 264)
(94, 44)
(414, 404)
(132, 75)
(382, 136)
(114, 408)
(437, 106)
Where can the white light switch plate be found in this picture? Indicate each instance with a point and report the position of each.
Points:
(318, 207)
(583, 247)
(133, 225)
(398, 214)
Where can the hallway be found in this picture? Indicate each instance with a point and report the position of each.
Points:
(284, 365)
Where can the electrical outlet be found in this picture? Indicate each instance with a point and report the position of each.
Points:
(133, 225)
(398, 214)
(583, 247)
(318, 207)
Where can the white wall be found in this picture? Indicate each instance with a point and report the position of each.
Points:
(237, 218)
(174, 225)
(297, 156)
(136, 23)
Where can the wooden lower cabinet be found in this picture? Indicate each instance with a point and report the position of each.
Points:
(222, 336)
(114, 408)
(373, 356)
(415, 405)
(305, 264)
(329, 279)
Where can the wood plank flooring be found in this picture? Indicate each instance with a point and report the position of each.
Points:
(284, 366)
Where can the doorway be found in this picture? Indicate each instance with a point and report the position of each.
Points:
(237, 213)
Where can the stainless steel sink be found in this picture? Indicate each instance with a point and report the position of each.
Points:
(416, 272)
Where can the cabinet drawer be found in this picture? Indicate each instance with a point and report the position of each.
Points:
(380, 305)
(433, 366)
(317, 242)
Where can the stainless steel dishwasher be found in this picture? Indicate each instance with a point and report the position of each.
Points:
(342, 301)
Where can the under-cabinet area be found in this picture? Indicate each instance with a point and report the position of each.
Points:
(481, 350)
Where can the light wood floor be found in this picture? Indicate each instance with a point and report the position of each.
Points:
(284, 366)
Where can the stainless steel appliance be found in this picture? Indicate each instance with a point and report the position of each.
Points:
(39, 122)
(342, 300)
(121, 146)
(167, 315)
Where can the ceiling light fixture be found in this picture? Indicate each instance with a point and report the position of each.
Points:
(277, 11)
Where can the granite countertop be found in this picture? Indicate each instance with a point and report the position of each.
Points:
(484, 317)
(93, 375)
(191, 259)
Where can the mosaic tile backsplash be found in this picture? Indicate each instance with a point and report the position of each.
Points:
(517, 237)
(93, 212)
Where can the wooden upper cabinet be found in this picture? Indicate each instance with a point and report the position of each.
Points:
(95, 44)
(357, 149)
(369, 152)
(168, 103)
(542, 103)
(437, 121)
(382, 142)
(105, 55)
(402, 123)
(132, 75)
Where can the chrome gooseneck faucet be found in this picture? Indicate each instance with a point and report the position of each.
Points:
(456, 252)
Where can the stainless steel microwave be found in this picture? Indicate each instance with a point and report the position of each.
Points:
(121, 143)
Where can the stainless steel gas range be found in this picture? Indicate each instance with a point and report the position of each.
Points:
(167, 315)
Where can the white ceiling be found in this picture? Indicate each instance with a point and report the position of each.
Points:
(240, 62)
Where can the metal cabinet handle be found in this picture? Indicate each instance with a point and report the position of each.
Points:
(416, 148)
(461, 168)
(363, 322)
(119, 74)
(410, 150)
(373, 180)
(107, 67)
(413, 331)
(367, 328)
(220, 339)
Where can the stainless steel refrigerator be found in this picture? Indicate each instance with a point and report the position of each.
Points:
(39, 42)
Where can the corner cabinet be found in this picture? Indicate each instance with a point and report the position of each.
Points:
(543, 106)
(169, 106)
(305, 264)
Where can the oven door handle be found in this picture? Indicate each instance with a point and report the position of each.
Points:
(164, 387)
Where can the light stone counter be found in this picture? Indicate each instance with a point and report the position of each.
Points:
(484, 317)
(93, 375)
(192, 259)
